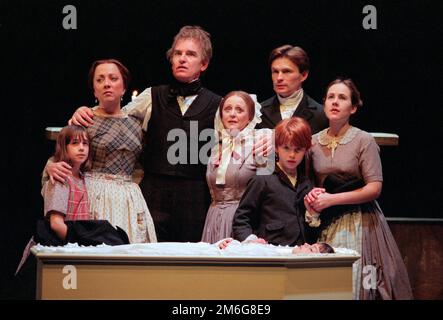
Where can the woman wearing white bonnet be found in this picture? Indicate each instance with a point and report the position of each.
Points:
(232, 162)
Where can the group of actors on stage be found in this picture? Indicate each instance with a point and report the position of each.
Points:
(286, 171)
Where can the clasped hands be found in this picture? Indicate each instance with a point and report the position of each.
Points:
(317, 200)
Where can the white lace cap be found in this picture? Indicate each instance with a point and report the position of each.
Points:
(232, 141)
(220, 130)
(218, 124)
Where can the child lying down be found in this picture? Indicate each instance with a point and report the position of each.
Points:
(225, 247)
(319, 247)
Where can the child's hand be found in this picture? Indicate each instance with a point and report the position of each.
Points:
(224, 243)
(312, 217)
(58, 225)
(58, 171)
(309, 207)
(313, 194)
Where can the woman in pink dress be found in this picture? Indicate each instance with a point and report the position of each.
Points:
(347, 165)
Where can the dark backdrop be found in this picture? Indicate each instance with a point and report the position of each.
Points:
(396, 67)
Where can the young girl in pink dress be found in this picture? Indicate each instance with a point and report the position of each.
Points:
(69, 201)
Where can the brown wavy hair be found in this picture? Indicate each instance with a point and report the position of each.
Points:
(66, 135)
(296, 55)
(195, 33)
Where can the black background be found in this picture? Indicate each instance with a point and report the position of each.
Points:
(397, 68)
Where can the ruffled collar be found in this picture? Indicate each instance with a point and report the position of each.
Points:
(333, 142)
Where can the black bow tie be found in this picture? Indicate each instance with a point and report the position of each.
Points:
(185, 89)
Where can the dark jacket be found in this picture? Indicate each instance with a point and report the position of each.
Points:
(308, 109)
(273, 209)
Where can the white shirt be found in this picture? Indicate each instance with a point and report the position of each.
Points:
(185, 102)
(289, 105)
(141, 106)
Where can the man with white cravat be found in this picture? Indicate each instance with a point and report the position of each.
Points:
(289, 69)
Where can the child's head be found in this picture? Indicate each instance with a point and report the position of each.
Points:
(73, 147)
(319, 247)
(292, 140)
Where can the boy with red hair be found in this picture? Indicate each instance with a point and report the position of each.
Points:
(272, 209)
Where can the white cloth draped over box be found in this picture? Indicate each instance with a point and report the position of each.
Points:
(186, 249)
(172, 270)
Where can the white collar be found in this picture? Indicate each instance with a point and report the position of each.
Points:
(293, 99)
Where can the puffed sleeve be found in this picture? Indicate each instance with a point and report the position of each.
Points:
(369, 159)
(246, 216)
(141, 107)
(55, 197)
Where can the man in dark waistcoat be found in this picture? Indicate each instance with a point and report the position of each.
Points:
(290, 68)
(174, 183)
